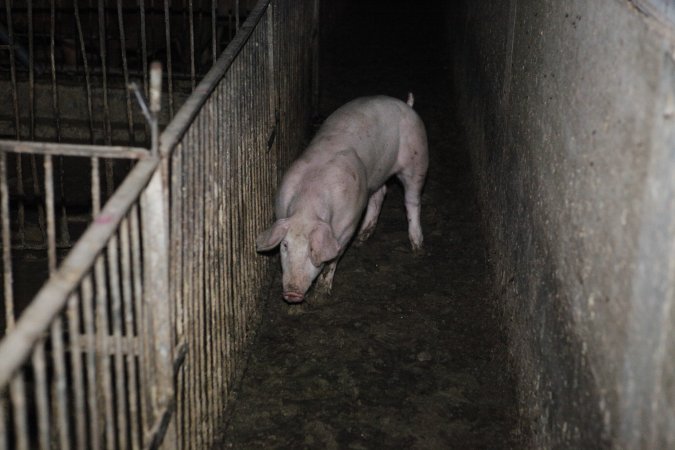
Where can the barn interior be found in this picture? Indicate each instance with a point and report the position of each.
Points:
(539, 315)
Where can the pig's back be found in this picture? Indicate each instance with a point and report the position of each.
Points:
(373, 127)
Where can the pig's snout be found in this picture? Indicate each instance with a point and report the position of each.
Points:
(293, 297)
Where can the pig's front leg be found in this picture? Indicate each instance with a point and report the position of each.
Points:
(324, 284)
(372, 213)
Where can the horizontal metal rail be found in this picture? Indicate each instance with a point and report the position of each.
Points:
(16, 347)
(86, 150)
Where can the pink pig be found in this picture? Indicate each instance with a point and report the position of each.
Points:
(323, 194)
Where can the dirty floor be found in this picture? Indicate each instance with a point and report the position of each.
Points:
(408, 352)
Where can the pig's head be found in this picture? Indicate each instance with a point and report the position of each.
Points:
(305, 247)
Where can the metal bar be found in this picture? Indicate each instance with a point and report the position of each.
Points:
(31, 71)
(155, 105)
(214, 33)
(144, 46)
(17, 395)
(7, 275)
(12, 69)
(83, 150)
(129, 351)
(315, 57)
(88, 314)
(51, 299)
(236, 14)
(107, 134)
(104, 391)
(59, 384)
(116, 313)
(31, 113)
(107, 126)
(85, 63)
(74, 333)
(157, 320)
(125, 70)
(95, 188)
(41, 402)
(186, 114)
(191, 25)
(51, 222)
(178, 257)
(137, 285)
(52, 60)
(64, 235)
(169, 67)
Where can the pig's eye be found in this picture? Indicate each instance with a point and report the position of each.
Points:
(284, 246)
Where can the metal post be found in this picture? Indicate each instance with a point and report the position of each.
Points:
(157, 306)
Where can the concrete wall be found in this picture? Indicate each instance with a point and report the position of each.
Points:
(569, 111)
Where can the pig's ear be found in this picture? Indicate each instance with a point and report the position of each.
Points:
(322, 244)
(271, 237)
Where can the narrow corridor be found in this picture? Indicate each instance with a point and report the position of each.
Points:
(408, 352)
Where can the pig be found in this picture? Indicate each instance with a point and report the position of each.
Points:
(322, 196)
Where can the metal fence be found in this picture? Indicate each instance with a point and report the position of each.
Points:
(139, 335)
(64, 70)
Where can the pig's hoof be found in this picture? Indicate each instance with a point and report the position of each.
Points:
(418, 251)
(320, 295)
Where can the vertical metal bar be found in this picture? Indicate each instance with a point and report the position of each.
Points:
(103, 350)
(51, 222)
(236, 14)
(169, 67)
(155, 104)
(178, 249)
(212, 246)
(120, 393)
(208, 185)
(144, 46)
(191, 25)
(137, 284)
(157, 318)
(228, 254)
(17, 395)
(31, 71)
(7, 277)
(12, 70)
(90, 362)
(197, 276)
(85, 63)
(125, 70)
(95, 188)
(38, 360)
(57, 120)
(76, 350)
(107, 131)
(214, 32)
(316, 24)
(64, 235)
(59, 384)
(130, 333)
(52, 60)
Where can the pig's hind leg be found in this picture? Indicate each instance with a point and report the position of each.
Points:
(413, 181)
(372, 213)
